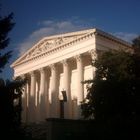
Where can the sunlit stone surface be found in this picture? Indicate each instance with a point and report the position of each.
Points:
(60, 63)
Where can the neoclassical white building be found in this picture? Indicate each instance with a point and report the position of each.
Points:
(60, 63)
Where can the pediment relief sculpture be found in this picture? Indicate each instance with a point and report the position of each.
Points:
(47, 45)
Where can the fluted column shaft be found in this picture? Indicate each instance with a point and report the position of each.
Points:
(28, 99)
(93, 54)
(80, 77)
(42, 109)
(68, 111)
(80, 88)
(24, 104)
(54, 92)
(47, 103)
(32, 108)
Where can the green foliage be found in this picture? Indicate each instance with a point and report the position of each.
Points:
(114, 94)
(10, 91)
(6, 25)
(136, 42)
(113, 99)
(10, 102)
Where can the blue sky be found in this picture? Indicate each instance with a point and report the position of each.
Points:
(38, 18)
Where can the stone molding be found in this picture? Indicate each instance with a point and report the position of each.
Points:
(40, 49)
(93, 54)
(54, 49)
(42, 70)
(78, 57)
(64, 62)
(32, 73)
(52, 66)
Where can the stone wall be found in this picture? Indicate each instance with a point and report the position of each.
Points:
(64, 129)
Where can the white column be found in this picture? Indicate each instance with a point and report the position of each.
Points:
(80, 77)
(54, 93)
(32, 109)
(67, 107)
(42, 105)
(47, 103)
(37, 104)
(80, 87)
(93, 54)
(24, 103)
(28, 99)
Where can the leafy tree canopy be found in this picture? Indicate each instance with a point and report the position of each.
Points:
(113, 97)
(10, 91)
(6, 24)
(114, 94)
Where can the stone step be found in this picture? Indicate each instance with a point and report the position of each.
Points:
(36, 131)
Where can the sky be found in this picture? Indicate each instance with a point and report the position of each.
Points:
(36, 19)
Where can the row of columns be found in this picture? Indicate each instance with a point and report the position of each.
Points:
(44, 109)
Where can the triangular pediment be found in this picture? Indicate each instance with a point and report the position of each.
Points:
(50, 43)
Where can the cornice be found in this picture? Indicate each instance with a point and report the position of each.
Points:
(85, 34)
(112, 38)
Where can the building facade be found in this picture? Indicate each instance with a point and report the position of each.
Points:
(55, 68)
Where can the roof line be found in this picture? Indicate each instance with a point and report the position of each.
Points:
(112, 37)
(52, 37)
(94, 30)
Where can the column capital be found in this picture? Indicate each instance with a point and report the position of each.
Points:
(42, 70)
(52, 66)
(64, 62)
(23, 76)
(32, 73)
(78, 57)
(93, 53)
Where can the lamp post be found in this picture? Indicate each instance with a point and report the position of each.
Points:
(62, 98)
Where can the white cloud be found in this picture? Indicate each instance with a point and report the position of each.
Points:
(49, 27)
(47, 22)
(126, 36)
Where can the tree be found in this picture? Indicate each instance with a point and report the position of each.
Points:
(136, 42)
(10, 103)
(114, 96)
(6, 25)
(10, 91)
